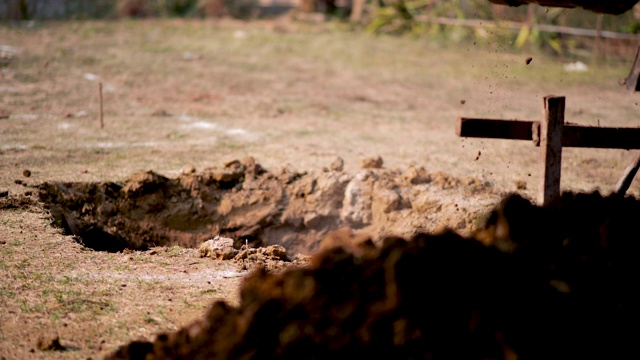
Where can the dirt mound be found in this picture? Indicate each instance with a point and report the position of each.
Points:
(244, 201)
(546, 283)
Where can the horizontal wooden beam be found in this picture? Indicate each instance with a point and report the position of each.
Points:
(496, 129)
(572, 135)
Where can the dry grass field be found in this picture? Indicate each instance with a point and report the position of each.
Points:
(192, 93)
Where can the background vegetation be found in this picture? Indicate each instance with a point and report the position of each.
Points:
(392, 17)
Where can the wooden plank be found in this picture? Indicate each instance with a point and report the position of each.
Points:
(572, 135)
(601, 137)
(551, 149)
(495, 129)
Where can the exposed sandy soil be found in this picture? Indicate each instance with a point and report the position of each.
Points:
(272, 135)
(243, 201)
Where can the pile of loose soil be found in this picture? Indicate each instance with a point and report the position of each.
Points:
(534, 283)
(244, 201)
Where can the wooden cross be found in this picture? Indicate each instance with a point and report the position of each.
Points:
(551, 135)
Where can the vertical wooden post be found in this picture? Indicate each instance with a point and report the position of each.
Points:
(101, 108)
(551, 148)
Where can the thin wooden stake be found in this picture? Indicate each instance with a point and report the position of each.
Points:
(101, 108)
(551, 148)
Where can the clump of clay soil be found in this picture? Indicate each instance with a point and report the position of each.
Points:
(246, 202)
(533, 283)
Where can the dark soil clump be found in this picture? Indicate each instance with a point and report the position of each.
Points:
(553, 283)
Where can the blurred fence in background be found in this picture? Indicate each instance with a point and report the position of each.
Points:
(565, 32)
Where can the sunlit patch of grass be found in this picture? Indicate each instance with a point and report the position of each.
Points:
(8, 294)
(27, 307)
(23, 264)
(149, 319)
(209, 291)
(176, 136)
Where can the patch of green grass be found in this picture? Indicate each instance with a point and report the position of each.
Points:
(120, 156)
(173, 251)
(7, 252)
(149, 319)
(81, 305)
(228, 145)
(23, 264)
(122, 268)
(176, 136)
(4, 293)
(27, 307)
(66, 280)
(209, 291)
(186, 302)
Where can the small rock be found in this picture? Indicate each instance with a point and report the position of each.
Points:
(372, 163)
(416, 175)
(26, 173)
(337, 164)
(528, 61)
(160, 112)
(521, 184)
(232, 163)
(218, 247)
(189, 169)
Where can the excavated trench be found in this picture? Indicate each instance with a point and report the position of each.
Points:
(243, 201)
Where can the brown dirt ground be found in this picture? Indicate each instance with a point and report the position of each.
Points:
(268, 133)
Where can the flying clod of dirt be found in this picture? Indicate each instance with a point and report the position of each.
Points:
(543, 283)
(243, 201)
